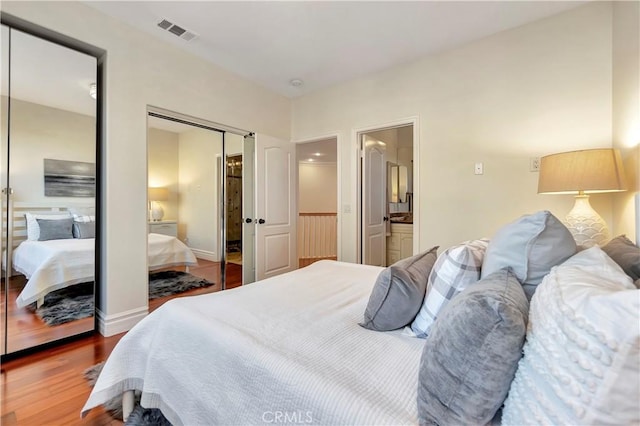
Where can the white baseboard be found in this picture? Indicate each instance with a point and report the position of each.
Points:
(121, 322)
(205, 255)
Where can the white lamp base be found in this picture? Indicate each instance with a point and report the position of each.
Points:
(157, 213)
(585, 224)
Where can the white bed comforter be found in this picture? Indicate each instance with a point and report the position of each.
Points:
(288, 347)
(55, 264)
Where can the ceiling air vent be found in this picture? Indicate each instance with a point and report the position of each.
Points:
(177, 30)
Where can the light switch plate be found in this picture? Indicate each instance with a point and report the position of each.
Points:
(479, 168)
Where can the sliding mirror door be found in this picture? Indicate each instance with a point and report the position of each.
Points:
(184, 220)
(48, 168)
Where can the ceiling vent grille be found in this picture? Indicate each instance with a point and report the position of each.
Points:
(177, 30)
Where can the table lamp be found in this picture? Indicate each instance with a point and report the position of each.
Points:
(155, 195)
(582, 173)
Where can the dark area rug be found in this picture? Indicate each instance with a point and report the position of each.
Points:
(76, 302)
(139, 416)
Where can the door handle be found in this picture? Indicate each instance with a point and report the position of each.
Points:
(248, 220)
(385, 219)
(261, 221)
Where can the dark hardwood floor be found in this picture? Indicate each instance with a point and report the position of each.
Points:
(48, 387)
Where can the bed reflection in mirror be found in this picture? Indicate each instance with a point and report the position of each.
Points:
(184, 193)
(48, 171)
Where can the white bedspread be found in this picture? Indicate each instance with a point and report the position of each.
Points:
(289, 347)
(55, 264)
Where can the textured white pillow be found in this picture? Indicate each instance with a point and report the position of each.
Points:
(454, 270)
(581, 359)
(33, 230)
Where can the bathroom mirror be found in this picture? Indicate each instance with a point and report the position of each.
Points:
(398, 183)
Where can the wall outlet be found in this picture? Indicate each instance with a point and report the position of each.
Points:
(478, 168)
(534, 164)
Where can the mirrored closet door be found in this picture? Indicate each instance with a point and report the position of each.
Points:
(201, 197)
(48, 176)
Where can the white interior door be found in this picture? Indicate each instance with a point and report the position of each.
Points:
(275, 206)
(374, 187)
(248, 211)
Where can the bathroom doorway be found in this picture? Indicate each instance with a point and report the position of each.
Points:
(387, 204)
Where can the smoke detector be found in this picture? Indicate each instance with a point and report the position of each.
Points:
(177, 30)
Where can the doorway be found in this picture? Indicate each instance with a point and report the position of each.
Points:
(387, 187)
(317, 201)
(234, 209)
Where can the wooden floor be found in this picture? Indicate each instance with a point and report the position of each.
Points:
(48, 388)
(25, 329)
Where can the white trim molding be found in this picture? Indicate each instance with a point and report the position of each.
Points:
(205, 255)
(109, 325)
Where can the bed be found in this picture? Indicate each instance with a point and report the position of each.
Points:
(290, 337)
(290, 349)
(55, 264)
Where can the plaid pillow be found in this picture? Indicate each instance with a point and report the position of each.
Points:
(456, 268)
(83, 218)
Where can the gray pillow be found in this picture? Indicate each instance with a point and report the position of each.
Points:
(55, 229)
(626, 254)
(531, 246)
(472, 353)
(84, 230)
(398, 292)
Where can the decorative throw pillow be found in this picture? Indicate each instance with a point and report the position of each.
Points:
(580, 363)
(398, 292)
(471, 355)
(626, 254)
(456, 269)
(55, 229)
(84, 218)
(82, 211)
(33, 230)
(531, 245)
(84, 230)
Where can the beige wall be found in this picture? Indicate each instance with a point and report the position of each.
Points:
(39, 132)
(626, 113)
(163, 168)
(317, 188)
(534, 90)
(198, 177)
(142, 70)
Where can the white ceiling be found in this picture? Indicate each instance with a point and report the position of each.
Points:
(324, 42)
(49, 74)
(325, 151)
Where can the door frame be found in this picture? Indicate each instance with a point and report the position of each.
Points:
(337, 137)
(356, 136)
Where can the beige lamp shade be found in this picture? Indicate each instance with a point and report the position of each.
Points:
(158, 194)
(581, 173)
(587, 171)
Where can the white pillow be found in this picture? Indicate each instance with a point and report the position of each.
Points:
(33, 230)
(581, 358)
(82, 211)
(454, 270)
(83, 218)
